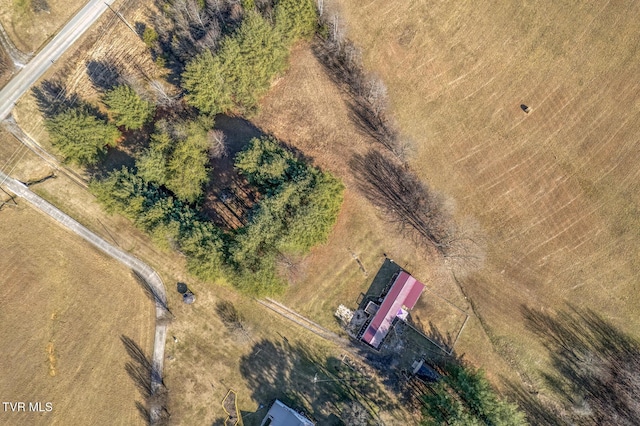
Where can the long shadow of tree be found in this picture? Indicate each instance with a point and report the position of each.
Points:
(103, 74)
(52, 98)
(325, 388)
(141, 370)
(596, 370)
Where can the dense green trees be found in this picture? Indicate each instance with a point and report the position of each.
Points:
(80, 136)
(296, 19)
(128, 109)
(298, 204)
(299, 207)
(464, 397)
(267, 164)
(241, 71)
(177, 158)
(169, 221)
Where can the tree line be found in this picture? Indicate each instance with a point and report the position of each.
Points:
(388, 180)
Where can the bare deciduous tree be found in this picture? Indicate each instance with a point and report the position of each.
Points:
(232, 320)
(188, 27)
(218, 143)
(141, 370)
(369, 102)
(408, 202)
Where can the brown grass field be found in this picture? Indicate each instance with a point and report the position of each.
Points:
(30, 29)
(64, 307)
(556, 190)
(306, 109)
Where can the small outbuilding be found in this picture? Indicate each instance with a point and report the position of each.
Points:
(400, 299)
(281, 415)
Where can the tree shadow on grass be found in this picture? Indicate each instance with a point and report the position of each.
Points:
(141, 370)
(52, 98)
(304, 380)
(104, 75)
(155, 296)
(596, 369)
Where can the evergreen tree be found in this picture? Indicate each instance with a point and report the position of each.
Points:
(242, 70)
(187, 169)
(205, 80)
(465, 397)
(150, 36)
(267, 164)
(80, 136)
(177, 158)
(171, 223)
(312, 220)
(296, 19)
(128, 109)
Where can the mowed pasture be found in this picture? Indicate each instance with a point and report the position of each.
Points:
(308, 111)
(31, 23)
(65, 306)
(555, 190)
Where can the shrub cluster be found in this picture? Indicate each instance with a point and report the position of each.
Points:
(465, 397)
(169, 221)
(80, 135)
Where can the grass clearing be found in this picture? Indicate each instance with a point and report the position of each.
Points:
(555, 190)
(52, 282)
(30, 26)
(6, 67)
(306, 110)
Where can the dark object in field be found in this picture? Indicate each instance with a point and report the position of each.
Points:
(182, 288)
(525, 108)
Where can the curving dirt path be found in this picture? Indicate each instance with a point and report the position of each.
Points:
(143, 270)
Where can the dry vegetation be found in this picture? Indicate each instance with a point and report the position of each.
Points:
(30, 23)
(555, 190)
(306, 109)
(108, 53)
(6, 67)
(52, 281)
(269, 358)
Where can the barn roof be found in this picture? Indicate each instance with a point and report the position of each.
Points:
(402, 296)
